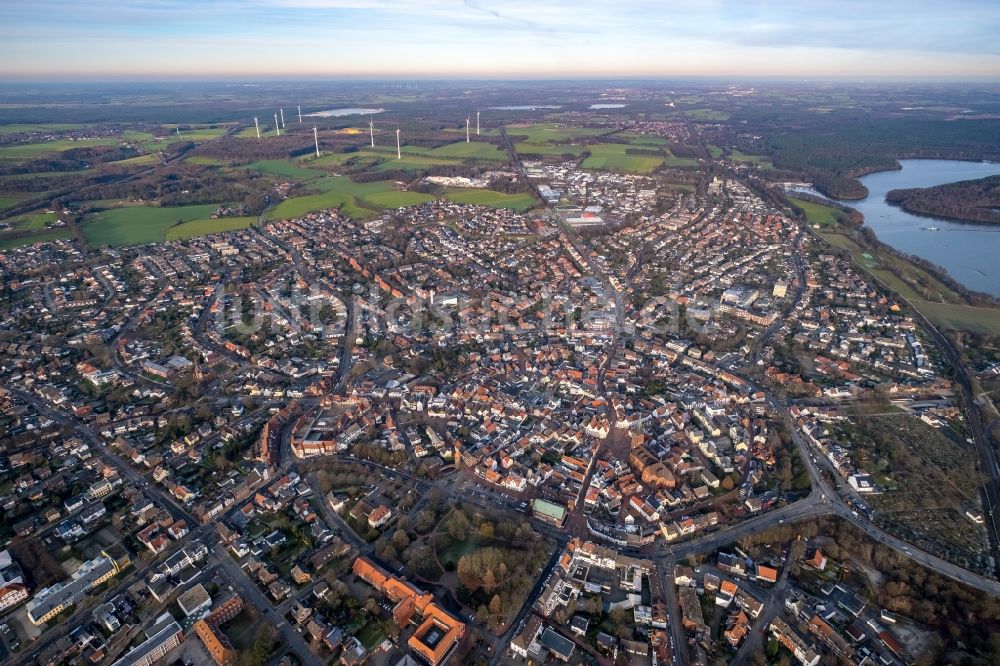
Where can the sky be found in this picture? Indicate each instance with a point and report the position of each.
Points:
(237, 39)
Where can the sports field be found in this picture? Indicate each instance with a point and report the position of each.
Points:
(519, 202)
(138, 225)
(209, 226)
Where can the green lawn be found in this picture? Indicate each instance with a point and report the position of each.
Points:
(7, 202)
(33, 150)
(285, 169)
(205, 161)
(141, 159)
(139, 224)
(706, 114)
(26, 127)
(340, 192)
(209, 226)
(34, 220)
(549, 150)
(962, 317)
(824, 216)
(715, 152)
(744, 158)
(643, 140)
(473, 149)
(519, 202)
(7, 243)
(612, 157)
(547, 132)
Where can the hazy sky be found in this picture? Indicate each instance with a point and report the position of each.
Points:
(330, 38)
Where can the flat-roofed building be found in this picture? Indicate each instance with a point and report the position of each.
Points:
(162, 637)
(549, 512)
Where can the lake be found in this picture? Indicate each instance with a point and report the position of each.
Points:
(336, 113)
(522, 107)
(969, 252)
(608, 106)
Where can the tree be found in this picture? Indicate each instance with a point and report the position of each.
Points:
(496, 606)
(486, 530)
(400, 540)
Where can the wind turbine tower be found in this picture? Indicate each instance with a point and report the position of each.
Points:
(178, 128)
(277, 127)
(282, 112)
(399, 153)
(257, 125)
(477, 121)
(300, 114)
(467, 119)
(371, 130)
(316, 139)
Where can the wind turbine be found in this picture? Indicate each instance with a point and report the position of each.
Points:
(277, 127)
(399, 153)
(316, 139)
(477, 121)
(178, 128)
(257, 125)
(300, 114)
(371, 130)
(467, 119)
(282, 112)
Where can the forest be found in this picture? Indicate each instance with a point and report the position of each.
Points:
(968, 200)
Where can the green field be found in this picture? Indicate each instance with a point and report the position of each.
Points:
(201, 134)
(139, 224)
(285, 169)
(963, 317)
(34, 220)
(643, 140)
(53, 127)
(209, 226)
(205, 161)
(548, 132)
(358, 200)
(33, 150)
(612, 157)
(473, 149)
(7, 243)
(519, 202)
(550, 150)
(714, 151)
(824, 216)
(139, 160)
(743, 158)
(706, 114)
(7, 202)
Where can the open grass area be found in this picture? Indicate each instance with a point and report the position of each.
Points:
(824, 216)
(714, 151)
(474, 150)
(674, 161)
(612, 157)
(7, 202)
(285, 169)
(139, 160)
(34, 220)
(7, 242)
(202, 134)
(548, 132)
(550, 150)
(31, 127)
(520, 202)
(205, 161)
(208, 226)
(33, 150)
(394, 199)
(643, 140)
(138, 225)
(962, 317)
(706, 114)
(361, 200)
(743, 158)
